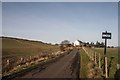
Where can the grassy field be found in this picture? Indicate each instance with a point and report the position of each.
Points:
(19, 47)
(111, 52)
(13, 49)
(112, 57)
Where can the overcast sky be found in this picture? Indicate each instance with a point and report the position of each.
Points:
(54, 22)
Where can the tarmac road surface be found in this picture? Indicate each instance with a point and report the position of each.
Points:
(62, 68)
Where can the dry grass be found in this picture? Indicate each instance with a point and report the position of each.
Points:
(112, 56)
(19, 47)
(94, 71)
(111, 52)
(84, 62)
(13, 49)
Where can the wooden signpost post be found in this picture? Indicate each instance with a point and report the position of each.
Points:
(105, 35)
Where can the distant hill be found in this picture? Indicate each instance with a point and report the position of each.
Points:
(15, 47)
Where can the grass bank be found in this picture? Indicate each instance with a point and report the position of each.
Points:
(112, 57)
(17, 52)
(84, 62)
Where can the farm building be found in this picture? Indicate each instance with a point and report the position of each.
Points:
(78, 43)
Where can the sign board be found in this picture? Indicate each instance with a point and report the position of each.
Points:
(106, 35)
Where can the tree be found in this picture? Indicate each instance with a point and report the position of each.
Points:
(102, 44)
(65, 42)
(99, 44)
(91, 43)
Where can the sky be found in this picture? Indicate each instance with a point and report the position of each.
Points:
(59, 0)
(54, 22)
(0, 18)
(119, 24)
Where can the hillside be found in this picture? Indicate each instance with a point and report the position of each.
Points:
(20, 47)
(21, 52)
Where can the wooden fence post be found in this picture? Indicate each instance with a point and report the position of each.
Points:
(8, 61)
(91, 55)
(99, 61)
(7, 65)
(95, 58)
(118, 66)
(106, 69)
(21, 59)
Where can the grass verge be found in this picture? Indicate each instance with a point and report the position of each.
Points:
(112, 57)
(84, 62)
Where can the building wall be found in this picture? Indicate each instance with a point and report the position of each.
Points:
(76, 43)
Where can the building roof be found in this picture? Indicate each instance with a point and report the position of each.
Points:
(79, 41)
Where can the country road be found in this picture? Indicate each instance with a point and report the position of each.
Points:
(65, 67)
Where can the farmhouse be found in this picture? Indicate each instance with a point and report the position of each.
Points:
(78, 43)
